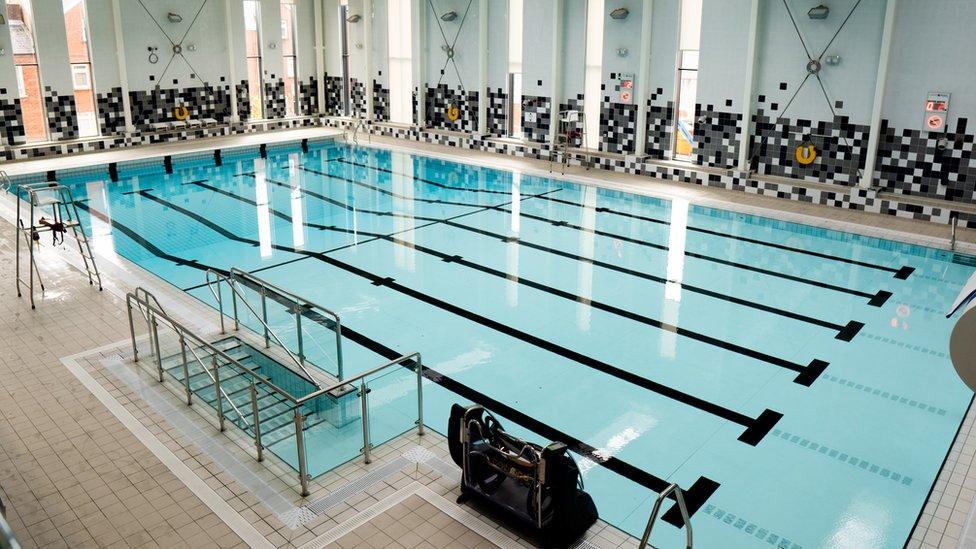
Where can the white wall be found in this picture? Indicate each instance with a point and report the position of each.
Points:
(932, 51)
(466, 50)
(782, 58)
(573, 50)
(8, 76)
(497, 44)
(664, 44)
(621, 34)
(537, 48)
(722, 52)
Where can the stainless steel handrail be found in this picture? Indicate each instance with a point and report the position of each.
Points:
(154, 312)
(5, 182)
(954, 221)
(7, 539)
(262, 318)
(150, 321)
(680, 498)
(300, 304)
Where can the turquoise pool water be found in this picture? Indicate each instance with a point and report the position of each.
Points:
(794, 380)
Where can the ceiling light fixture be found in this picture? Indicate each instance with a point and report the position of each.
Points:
(818, 12)
(619, 14)
(449, 16)
(354, 18)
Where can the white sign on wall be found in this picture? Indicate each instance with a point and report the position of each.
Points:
(936, 111)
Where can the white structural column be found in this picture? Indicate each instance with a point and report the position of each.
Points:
(418, 17)
(874, 137)
(556, 77)
(482, 67)
(368, 56)
(643, 78)
(747, 88)
(120, 59)
(231, 60)
(319, 56)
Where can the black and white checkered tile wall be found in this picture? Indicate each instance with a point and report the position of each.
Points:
(275, 101)
(536, 118)
(660, 126)
(308, 96)
(618, 126)
(333, 95)
(933, 165)
(357, 98)
(497, 111)
(155, 106)
(841, 148)
(62, 115)
(243, 98)
(717, 135)
(441, 98)
(111, 112)
(12, 130)
(381, 102)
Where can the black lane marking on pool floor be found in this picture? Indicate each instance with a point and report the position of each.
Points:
(845, 332)
(149, 246)
(756, 428)
(806, 375)
(876, 299)
(203, 184)
(695, 496)
(901, 273)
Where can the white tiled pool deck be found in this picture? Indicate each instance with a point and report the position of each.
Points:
(94, 453)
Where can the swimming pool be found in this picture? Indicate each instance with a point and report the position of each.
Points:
(794, 380)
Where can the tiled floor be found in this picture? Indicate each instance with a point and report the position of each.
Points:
(73, 474)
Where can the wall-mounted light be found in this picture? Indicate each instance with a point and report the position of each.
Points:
(623, 52)
(818, 12)
(174, 17)
(273, 45)
(832, 60)
(191, 47)
(619, 14)
(449, 16)
(354, 18)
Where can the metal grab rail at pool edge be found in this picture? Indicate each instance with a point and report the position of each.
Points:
(154, 342)
(680, 498)
(149, 304)
(5, 182)
(262, 318)
(301, 305)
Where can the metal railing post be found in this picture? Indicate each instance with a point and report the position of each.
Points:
(159, 355)
(298, 332)
(680, 498)
(220, 306)
(186, 372)
(233, 303)
(257, 421)
(420, 396)
(220, 400)
(300, 441)
(132, 331)
(954, 220)
(264, 317)
(364, 401)
(338, 333)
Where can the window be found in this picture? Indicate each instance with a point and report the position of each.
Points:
(515, 68)
(23, 40)
(401, 61)
(80, 77)
(593, 74)
(76, 28)
(252, 54)
(21, 89)
(289, 56)
(687, 79)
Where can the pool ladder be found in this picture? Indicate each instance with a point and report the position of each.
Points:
(679, 496)
(57, 200)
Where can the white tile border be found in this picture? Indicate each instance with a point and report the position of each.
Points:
(463, 516)
(247, 532)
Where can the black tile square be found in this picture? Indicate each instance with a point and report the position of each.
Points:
(728, 102)
(782, 85)
(539, 83)
(838, 104)
(774, 106)
(762, 98)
